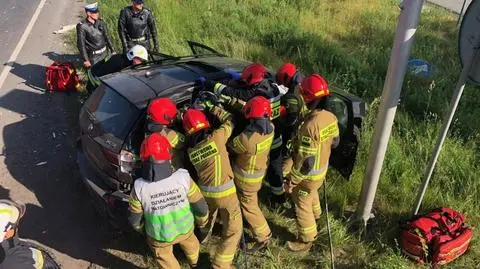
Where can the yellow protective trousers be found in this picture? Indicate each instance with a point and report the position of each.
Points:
(307, 209)
(254, 215)
(163, 251)
(232, 227)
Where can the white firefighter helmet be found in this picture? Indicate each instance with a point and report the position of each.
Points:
(10, 214)
(137, 51)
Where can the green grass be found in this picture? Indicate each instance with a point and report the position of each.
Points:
(349, 43)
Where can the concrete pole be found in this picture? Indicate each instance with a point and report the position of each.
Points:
(457, 95)
(406, 28)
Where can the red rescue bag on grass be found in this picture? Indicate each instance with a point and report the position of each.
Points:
(61, 77)
(439, 237)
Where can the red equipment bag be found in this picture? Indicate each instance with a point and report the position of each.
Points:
(439, 237)
(62, 77)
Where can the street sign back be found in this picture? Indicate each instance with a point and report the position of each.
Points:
(469, 39)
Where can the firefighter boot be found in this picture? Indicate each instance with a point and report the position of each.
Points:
(258, 246)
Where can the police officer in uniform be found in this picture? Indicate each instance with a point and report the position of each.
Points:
(136, 26)
(92, 37)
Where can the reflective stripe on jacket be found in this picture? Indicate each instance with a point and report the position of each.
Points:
(252, 150)
(275, 103)
(296, 111)
(177, 140)
(210, 159)
(295, 107)
(312, 147)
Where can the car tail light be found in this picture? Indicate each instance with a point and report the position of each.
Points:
(127, 161)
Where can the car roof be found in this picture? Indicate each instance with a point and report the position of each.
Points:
(139, 84)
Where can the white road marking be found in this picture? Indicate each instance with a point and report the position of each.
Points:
(23, 39)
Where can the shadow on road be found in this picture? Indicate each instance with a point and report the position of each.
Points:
(54, 56)
(4, 193)
(40, 154)
(34, 74)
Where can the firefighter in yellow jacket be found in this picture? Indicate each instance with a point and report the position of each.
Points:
(161, 114)
(295, 109)
(312, 146)
(252, 148)
(207, 152)
(162, 203)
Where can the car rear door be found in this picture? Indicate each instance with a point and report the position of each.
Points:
(105, 121)
(350, 111)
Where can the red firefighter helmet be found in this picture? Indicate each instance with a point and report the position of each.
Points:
(194, 120)
(285, 74)
(314, 87)
(157, 147)
(258, 107)
(162, 110)
(253, 74)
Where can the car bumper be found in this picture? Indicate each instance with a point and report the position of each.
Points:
(112, 204)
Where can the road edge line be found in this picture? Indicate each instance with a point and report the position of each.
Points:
(8, 67)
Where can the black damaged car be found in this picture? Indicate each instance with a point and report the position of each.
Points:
(112, 121)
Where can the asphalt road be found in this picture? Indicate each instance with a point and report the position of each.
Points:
(454, 5)
(37, 143)
(14, 16)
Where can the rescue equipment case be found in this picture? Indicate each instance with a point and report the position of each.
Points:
(61, 76)
(438, 237)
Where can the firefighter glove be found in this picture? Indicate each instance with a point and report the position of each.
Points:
(224, 99)
(218, 88)
(206, 105)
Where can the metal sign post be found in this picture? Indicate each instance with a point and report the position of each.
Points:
(469, 46)
(443, 133)
(397, 67)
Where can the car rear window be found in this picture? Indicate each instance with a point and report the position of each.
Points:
(113, 114)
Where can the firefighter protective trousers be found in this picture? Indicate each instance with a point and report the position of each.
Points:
(215, 180)
(312, 147)
(249, 168)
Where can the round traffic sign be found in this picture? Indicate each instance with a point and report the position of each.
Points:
(469, 39)
(420, 68)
